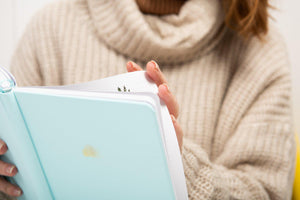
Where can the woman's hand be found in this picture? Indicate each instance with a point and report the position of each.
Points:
(164, 93)
(10, 170)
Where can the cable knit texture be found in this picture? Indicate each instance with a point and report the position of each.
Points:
(234, 95)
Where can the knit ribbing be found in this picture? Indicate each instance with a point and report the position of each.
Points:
(234, 96)
(170, 39)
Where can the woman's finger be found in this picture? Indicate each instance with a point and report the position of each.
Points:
(9, 189)
(178, 130)
(155, 74)
(132, 67)
(170, 100)
(7, 169)
(3, 147)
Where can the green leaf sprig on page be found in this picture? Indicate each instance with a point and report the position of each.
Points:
(124, 89)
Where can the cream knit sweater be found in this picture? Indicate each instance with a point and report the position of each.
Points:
(234, 96)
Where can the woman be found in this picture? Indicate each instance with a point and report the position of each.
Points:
(230, 76)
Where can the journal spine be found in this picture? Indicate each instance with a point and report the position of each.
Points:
(7, 81)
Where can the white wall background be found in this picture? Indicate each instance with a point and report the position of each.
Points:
(287, 18)
(15, 14)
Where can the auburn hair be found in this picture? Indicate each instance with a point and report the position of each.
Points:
(247, 17)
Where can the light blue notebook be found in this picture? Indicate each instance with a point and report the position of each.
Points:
(107, 139)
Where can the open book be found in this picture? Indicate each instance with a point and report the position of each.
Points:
(107, 139)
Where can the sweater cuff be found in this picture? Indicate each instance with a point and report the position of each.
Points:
(198, 172)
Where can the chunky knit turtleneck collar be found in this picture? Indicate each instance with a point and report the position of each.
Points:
(168, 39)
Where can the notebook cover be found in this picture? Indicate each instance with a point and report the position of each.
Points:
(92, 148)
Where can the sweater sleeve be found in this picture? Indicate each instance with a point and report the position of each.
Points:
(24, 63)
(257, 158)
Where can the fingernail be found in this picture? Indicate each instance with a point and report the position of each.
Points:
(11, 169)
(17, 192)
(173, 118)
(129, 64)
(155, 65)
(167, 87)
(134, 65)
(1, 146)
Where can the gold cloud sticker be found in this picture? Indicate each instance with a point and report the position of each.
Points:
(89, 151)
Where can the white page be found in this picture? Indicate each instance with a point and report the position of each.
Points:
(134, 81)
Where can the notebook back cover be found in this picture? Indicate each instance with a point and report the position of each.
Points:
(21, 152)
